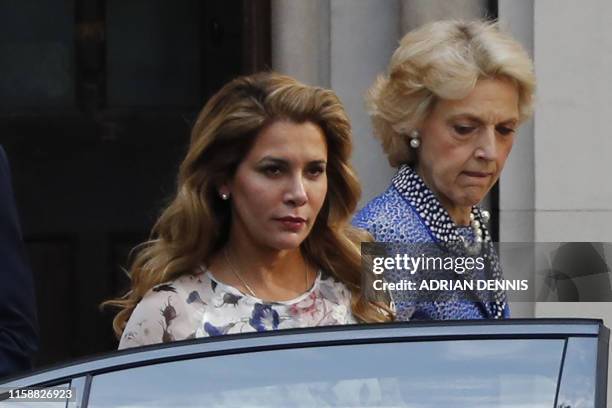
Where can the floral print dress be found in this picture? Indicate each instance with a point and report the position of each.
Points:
(199, 306)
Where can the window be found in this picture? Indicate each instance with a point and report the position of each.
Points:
(471, 373)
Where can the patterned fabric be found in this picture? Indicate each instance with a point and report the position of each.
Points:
(408, 212)
(199, 306)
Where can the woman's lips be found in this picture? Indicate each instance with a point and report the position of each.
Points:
(477, 178)
(292, 223)
(478, 174)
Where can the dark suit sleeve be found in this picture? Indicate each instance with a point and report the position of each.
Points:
(18, 326)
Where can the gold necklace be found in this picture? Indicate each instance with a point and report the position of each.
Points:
(246, 285)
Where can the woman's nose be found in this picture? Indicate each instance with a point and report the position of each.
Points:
(487, 145)
(296, 192)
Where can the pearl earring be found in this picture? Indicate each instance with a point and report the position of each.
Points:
(224, 196)
(415, 141)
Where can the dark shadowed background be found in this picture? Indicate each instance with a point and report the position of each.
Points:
(97, 99)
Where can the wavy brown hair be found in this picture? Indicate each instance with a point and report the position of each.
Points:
(196, 222)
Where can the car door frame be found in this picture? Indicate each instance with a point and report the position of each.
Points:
(81, 373)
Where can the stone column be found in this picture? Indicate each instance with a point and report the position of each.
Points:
(364, 34)
(517, 182)
(417, 12)
(573, 147)
(557, 188)
(300, 39)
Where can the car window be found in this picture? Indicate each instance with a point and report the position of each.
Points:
(470, 373)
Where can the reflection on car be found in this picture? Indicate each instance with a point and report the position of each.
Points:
(508, 363)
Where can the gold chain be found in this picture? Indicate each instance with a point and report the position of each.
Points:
(246, 285)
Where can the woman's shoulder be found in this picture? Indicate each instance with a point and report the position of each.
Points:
(379, 209)
(333, 289)
(390, 218)
(168, 312)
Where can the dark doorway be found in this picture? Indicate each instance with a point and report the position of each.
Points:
(97, 99)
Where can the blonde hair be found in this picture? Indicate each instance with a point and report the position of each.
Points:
(196, 223)
(442, 60)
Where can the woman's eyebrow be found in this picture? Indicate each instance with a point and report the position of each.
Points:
(474, 118)
(321, 162)
(467, 116)
(511, 121)
(273, 160)
(283, 162)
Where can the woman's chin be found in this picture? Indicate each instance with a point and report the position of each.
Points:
(473, 196)
(468, 201)
(286, 243)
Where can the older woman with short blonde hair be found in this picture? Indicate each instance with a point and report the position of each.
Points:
(447, 112)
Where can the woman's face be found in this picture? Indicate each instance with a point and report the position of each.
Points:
(465, 143)
(280, 186)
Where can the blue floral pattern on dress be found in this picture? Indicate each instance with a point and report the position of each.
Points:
(217, 331)
(264, 318)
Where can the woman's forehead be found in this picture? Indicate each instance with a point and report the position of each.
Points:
(289, 140)
(490, 100)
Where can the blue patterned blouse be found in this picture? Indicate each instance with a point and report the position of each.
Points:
(408, 212)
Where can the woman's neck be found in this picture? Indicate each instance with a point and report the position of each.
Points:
(265, 264)
(459, 214)
(273, 275)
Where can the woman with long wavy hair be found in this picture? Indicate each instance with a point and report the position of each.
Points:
(258, 235)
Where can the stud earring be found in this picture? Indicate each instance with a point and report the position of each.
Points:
(415, 141)
(224, 196)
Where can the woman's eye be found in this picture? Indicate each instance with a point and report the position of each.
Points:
(316, 171)
(505, 131)
(272, 171)
(463, 129)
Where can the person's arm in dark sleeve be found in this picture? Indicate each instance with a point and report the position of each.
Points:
(18, 326)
